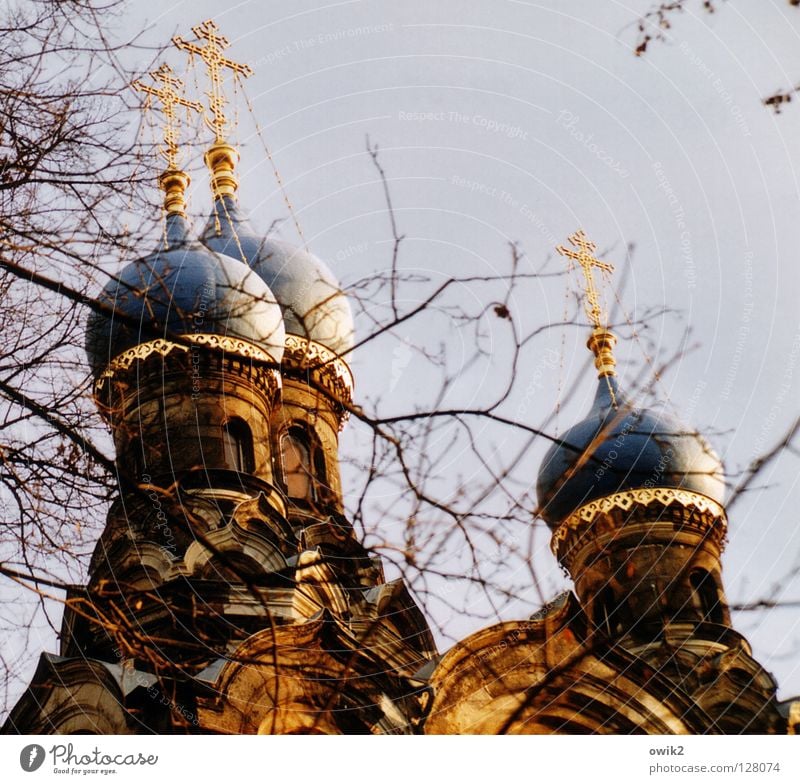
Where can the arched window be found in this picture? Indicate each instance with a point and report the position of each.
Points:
(303, 464)
(231, 567)
(296, 457)
(606, 612)
(237, 445)
(706, 595)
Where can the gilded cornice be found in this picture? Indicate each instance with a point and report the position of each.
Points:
(222, 345)
(324, 367)
(709, 515)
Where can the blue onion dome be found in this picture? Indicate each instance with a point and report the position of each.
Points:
(620, 447)
(314, 305)
(180, 290)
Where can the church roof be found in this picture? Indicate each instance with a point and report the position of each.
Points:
(183, 289)
(620, 447)
(314, 305)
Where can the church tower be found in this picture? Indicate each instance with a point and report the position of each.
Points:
(228, 592)
(634, 500)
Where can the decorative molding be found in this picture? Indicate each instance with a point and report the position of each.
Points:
(317, 587)
(230, 541)
(585, 516)
(238, 346)
(326, 368)
(221, 346)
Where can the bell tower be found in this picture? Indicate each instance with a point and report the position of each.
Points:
(228, 592)
(635, 503)
(317, 383)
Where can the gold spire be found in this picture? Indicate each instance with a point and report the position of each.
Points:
(173, 181)
(601, 341)
(221, 157)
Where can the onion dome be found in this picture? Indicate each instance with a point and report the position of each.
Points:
(184, 289)
(619, 447)
(314, 305)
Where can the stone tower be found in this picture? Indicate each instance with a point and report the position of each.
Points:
(634, 501)
(228, 592)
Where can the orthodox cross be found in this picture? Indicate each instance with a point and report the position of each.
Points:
(211, 55)
(169, 94)
(584, 256)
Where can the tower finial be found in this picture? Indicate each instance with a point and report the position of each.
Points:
(173, 180)
(588, 263)
(211, 55)
(221, 158)
(601, 341)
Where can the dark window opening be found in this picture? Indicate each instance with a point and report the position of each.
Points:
(232, 567)
(303, 464)
(706, 595)
(237, 444)
(607, 613)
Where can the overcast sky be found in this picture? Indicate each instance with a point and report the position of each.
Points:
(522, 121)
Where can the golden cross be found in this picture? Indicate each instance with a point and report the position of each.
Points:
(588, 262)
(170, 96)
(211, 55)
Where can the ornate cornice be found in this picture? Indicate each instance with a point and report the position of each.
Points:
(325, 368)
(219, 345)
(242, 348)
(706, 513)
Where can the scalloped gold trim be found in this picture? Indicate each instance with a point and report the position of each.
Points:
(327, 368)
(585, 515)
(238, 346)
(645, 496)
